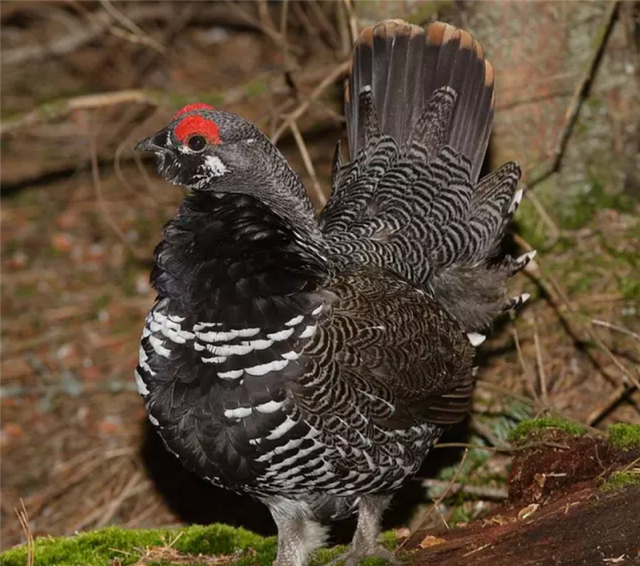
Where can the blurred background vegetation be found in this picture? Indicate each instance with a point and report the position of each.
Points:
(82, 82)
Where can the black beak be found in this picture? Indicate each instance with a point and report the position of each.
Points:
(155, 143)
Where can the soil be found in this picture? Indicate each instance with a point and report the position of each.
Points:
(577, 529)
(557, 514)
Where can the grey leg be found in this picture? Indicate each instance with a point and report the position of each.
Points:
(298, 533)
(365, 541)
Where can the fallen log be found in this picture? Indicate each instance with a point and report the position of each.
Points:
(574, 504)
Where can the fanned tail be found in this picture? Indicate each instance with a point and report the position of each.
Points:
(419, 105)
(404, 65)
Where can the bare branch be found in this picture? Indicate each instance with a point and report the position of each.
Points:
(62, 108)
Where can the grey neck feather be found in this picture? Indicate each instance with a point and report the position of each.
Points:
(272, 181)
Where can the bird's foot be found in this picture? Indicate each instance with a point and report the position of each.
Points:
(354, 555)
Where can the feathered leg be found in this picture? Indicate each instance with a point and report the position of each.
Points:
(298, 533)
(365, 541)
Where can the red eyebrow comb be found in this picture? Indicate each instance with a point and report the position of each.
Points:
(191, 107)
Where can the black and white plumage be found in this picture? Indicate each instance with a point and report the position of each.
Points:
(313, 361)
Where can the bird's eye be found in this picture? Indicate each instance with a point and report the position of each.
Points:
(197, 143)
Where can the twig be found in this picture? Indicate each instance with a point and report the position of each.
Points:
(265, 25)
(100, 23)
(95, 172)
(284, 13)
(343, 29)
(511, 104)
(23, 517)
(523, 363)
(310, 28)
(137, 34)
(353, 20)
(618, 394)
(131, 488)
(438, 501)
(61, 46)
(556, 295)
(482, 491)
(552, 227)
(535, 405)
(332, 77)
(542, 376)
(62, 108)
(631, 465)
(579, 96)
(615, 327)
(324, 23)
(596, 338)
(308, 164)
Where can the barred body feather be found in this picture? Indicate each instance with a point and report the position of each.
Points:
(313, 361)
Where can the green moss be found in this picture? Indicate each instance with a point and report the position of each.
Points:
(525, 428)
(101, 547)
(621, 480)
(625, 436)
(104, 546)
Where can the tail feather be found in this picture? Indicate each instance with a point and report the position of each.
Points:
(431, 130)
(419, 107)
(405, 65)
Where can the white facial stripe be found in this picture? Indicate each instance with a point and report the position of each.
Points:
(215, 165)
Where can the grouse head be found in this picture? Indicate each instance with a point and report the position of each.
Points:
(211, 152)
(202, 145)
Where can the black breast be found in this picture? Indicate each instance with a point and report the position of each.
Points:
(265, 372)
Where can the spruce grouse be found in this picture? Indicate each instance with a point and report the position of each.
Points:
(312, 360)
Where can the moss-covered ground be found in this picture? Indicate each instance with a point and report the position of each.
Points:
(625, 436)
(528, 427)
(621, 480)
(193, 546)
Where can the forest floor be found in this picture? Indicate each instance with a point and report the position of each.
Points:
(81, 215)
(572, 501)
